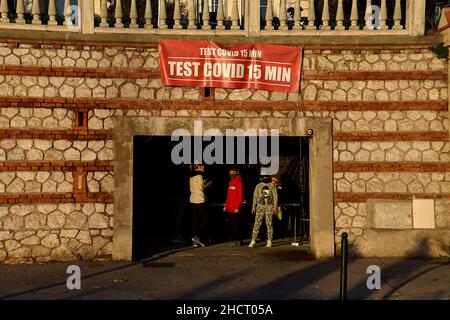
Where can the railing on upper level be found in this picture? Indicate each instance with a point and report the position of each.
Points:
(218, 17)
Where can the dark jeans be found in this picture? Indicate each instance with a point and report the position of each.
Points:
(201, 220)
(235, 220)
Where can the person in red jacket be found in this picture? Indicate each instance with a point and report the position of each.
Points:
(233, 205)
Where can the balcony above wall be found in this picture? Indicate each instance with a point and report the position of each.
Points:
(214, 18)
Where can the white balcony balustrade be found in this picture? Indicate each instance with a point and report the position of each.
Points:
(171, 16)
(43, 15)
(247, 18)
(342, 17)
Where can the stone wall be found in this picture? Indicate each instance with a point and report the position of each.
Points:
(389, 107)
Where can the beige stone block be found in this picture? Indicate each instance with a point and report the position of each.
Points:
(7, 177)
(436, 125)
(87, 252)
(437, 64)
(346, 156)
(3, 255)
(353, 147)
(343, 222)
(346, 85)
(84, 237)
(42, 176)
(35, 221)
(445, 187)
(11, 245)
(33, 240)
(63, 253)
(432, 187)
(362, 155)
(382, 95)
(348, 125)
(220, 94)
(359, 186)
(72, 154)
(240, 95)
(68, 233)
(16, 154)
(16, 186)
(49, 186)
(107, 233)
(106, 154)
(395, 186)
(349, 211)
(370, 146)
(377, 155)
(56, 220)
(364, 66)
(359, 222)
(5, 235)
(98, 221)
(362, 125)
(278, 96)
(34, 155)
(324, 95)
(129, 91)
(76, 220)
(25, 144)
(341, 115)
(32, 187)
(20, 253)
(192, 94)
(415, 187)
(50, 241)
(260, 95)
(109, 209)
(368, 95)
(375, 84)
(390, 125)
(12, 60)
(377, 125)
(107, 184)
(430, 156)
(422, 145)
(340, 95)
(405, 125)
(414, 115)
(99, 243)
(66, 91)
(106, 250)
(343, 186)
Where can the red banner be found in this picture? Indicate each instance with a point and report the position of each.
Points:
(185, 63)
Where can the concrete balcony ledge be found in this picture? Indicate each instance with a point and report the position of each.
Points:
(41, 36)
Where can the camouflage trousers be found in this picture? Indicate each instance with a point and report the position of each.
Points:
(261, 212)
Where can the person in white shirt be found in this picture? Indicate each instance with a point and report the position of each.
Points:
(200, 210)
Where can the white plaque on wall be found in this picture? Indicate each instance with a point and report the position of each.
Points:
(423, 214)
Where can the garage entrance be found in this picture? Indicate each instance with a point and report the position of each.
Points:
(126, 228)
(161, 194)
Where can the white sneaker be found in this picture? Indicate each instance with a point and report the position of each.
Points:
(269, 244)
(252, 244)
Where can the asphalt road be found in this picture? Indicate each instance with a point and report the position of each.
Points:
(284, 272)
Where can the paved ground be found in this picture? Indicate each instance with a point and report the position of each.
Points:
(223, 272)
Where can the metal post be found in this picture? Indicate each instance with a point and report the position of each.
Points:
(344, 250)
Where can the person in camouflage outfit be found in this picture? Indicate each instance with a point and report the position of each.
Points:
(265, 202)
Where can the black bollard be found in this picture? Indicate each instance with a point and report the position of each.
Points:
(344, 250)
